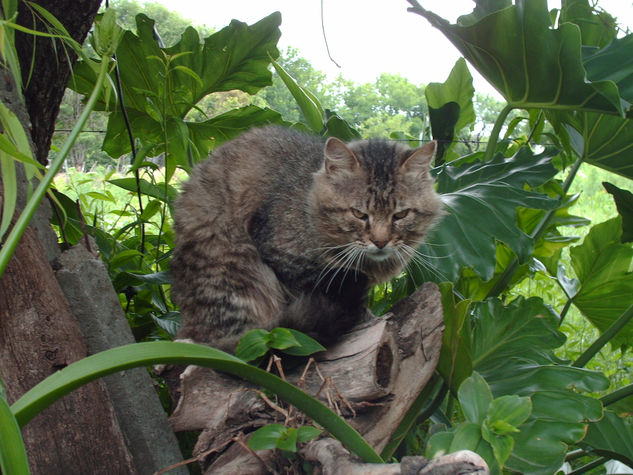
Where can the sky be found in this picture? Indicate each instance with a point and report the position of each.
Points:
(365, 37)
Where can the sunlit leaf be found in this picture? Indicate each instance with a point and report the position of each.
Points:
(603, 267)
(530, 63)
(475, 398)
(458, 90)
(611, 437)
(624, 203)
(481, 201)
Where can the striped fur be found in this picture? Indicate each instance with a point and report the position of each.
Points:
(279, 228)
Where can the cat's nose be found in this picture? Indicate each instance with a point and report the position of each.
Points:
(380, 243)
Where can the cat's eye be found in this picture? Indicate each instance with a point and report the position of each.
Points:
(401, 214)
(359, 214)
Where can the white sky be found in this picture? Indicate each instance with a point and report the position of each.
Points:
(366, 37)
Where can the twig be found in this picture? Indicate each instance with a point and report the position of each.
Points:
(272, 405)
(325, 38)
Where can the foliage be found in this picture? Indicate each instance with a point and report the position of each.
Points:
(117, 359)
(256, 343)
(510, 393)
(276, 436)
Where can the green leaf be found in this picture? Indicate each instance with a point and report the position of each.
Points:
(305, 345)
(307, 433)
(143, 354)
(511, 347)
(602, 265)
(603, 139)
(455, 363)
(266, 437)
(457, 90)
(611, 437)
(525, 329)
(466, 436)
(204, 136)
(9, 191)
(159, 191)
(310, 106)
(502, 445)
(624, 203)
(288, 440)
(443, 120)
(162, 85)
(475, 398)
(540, 447)
(169, 322)
(597, 28)
(253, 344)
(337, 127)
(506, 413)
(13, 459)
(150, 210)
(530, 63)
(481, 201)
(282, 339)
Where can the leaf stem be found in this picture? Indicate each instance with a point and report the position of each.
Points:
(617, 395)
(585, 468)
(496, 130)
(603, 339)
(22, 222)
(540, 228)
(563, 312)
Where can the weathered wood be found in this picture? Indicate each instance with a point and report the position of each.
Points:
(372, 376)
(333, 459)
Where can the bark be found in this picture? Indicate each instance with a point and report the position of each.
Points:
(371, 377)
(38, 336)
(46, 65)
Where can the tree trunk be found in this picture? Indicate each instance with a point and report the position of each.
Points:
(38, 336)
(39, 332)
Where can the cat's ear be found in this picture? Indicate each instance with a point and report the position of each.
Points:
(420, 160)
(339, 157)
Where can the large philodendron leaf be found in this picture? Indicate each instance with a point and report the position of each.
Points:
(162, 85)
(602, 265)
(443, 100)
(530, 63)
(611, 437)
(481, 201)
(597, 28)
(603, 140)
(512, 347)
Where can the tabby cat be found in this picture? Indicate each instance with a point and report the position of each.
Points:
(279, 228)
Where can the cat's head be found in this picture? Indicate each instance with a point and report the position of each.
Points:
(374, 200)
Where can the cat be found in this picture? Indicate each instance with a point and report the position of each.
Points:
(282, 228)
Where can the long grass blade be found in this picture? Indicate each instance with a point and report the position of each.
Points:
(144, 354)
(13, 459)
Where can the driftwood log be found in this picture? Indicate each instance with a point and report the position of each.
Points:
(371, 377)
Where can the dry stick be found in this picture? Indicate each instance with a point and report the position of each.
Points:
(272, 405)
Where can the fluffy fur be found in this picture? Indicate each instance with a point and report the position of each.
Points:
(279, 228)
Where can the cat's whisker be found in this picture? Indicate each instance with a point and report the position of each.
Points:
(346, 266)
(420, 261)
(335, 262)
